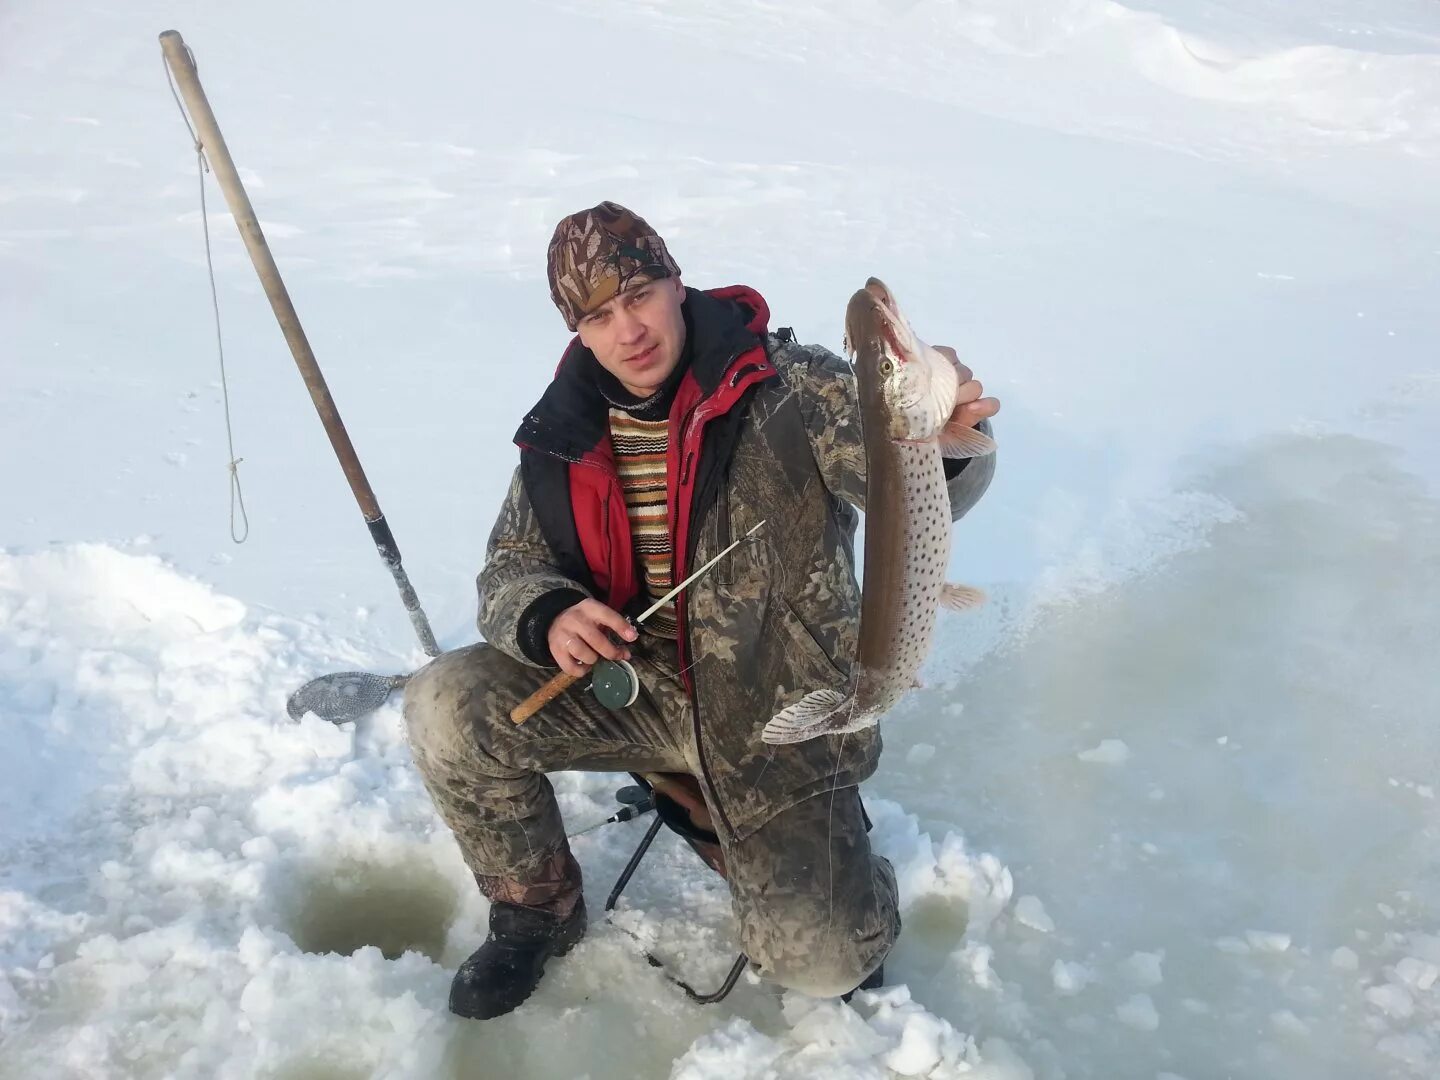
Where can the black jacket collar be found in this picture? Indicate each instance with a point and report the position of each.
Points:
(570, 419)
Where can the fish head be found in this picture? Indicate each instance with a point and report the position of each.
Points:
(904, 383)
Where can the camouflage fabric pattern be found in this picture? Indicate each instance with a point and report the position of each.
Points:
(776, 618)
(816, 910)
(517, 572)
(485, 773)
(595, 254)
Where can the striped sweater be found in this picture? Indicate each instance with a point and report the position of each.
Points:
(640, 448)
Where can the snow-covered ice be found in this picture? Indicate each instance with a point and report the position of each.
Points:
(1166, 806)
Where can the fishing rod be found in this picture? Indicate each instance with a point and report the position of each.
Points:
(613, 682)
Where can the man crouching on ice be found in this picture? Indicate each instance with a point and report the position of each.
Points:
(675, 422)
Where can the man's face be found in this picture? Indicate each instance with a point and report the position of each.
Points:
(638, 334)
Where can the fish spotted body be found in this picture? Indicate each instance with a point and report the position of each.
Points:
(908, 392)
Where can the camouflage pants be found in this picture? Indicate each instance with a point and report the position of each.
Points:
(816, 909)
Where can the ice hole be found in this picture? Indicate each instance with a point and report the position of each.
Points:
(397, 907)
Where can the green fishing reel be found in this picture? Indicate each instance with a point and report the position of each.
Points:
(614, 683)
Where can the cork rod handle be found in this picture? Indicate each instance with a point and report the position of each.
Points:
(542, 697)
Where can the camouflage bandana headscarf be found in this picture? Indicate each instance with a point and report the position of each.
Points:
(599, 252)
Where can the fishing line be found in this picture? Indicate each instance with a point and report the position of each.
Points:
(830, 825)
(780, 570)
(830, 837)
(237, 496)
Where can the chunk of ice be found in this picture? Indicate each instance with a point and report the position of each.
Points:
(1031, 912)
(1416, 973)
(1144, 968)
(919, 754)
(1392, 1000)
(1267, 941)
(1139, 1013)
(1070, 979)
(1109, 752)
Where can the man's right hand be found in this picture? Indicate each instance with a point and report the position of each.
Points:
(580, 635)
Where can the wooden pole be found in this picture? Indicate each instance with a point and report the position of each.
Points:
(212, 143)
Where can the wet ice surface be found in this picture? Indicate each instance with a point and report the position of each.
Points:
(1167, 807)
(1275, 818)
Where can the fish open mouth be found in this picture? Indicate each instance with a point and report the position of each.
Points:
(892, 339)
(889, 313)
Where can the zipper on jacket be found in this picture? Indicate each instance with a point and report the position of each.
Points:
(697, 417)
(605, 529)
(746, 370)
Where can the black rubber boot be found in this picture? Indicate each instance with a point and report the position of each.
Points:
(503, 972)
(873, 981)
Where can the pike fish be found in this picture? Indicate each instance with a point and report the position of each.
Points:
(908, 392)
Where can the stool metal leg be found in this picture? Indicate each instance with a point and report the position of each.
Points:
(634, 863)
(736, 969)
(729, 984)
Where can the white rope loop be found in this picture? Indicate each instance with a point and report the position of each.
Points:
(237, 496)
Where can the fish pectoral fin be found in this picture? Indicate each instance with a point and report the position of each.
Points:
(806, 719)
(960, 597)
(958, 441)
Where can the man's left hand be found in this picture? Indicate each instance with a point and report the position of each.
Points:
(970, 406)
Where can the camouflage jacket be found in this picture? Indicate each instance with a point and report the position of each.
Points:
(776, 618)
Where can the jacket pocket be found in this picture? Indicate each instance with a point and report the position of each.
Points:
(806, 665)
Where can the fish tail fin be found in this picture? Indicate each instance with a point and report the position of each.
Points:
(960, 597)
(814, 714)
(958, 441)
